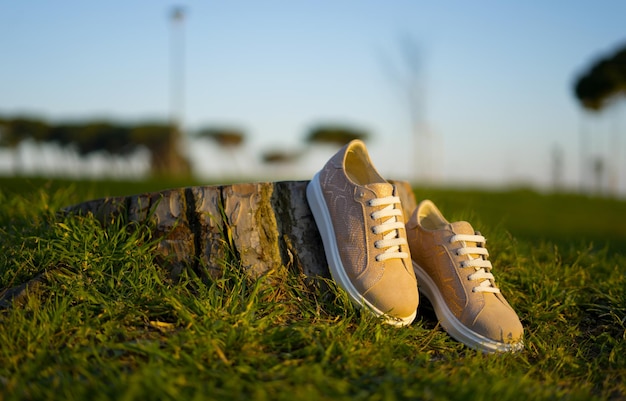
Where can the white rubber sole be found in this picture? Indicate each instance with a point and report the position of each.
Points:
(324, 223)
(452, 325)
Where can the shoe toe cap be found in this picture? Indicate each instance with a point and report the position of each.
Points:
(395, 294)
(499, 323)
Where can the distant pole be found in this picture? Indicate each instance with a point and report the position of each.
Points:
(614, 147)
(583, 155)
(557, 168)
(177, 69)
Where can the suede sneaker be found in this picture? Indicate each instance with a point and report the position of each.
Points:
(361, 224)
(451, 266)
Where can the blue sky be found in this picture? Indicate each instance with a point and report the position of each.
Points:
(496, 77)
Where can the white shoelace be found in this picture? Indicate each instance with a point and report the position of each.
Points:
(391, 240)
(480, 264)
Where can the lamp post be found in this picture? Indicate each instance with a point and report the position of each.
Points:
(177, 67)
(176, 163)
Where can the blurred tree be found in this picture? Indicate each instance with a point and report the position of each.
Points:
(165, 156)
(229, 139)
(224, 137)
(280, 156)
(4, 129)
(102, 136)
(596, 89)
(28, 128)
(18, 129)
(89, 137)
(63, 134)
(408, 77)
(335, 134)
(602, 82)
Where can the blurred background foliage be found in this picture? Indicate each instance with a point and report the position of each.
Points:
(161, 140)
(598, 88)
(604, 81)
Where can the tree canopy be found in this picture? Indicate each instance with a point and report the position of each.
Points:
(223, 136)
(604, 80)
(91, 137)
(335, 134)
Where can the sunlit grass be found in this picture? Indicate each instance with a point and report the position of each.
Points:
(107, 322)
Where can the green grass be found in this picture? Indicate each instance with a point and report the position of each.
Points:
(108, 323)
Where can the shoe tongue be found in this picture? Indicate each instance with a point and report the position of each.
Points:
(381, 189)
(462, 227)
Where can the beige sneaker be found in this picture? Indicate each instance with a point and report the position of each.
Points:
(451, 266)
(361, 224)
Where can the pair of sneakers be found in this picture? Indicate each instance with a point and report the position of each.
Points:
(380, 262)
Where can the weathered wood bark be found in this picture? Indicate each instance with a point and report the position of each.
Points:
(263, 225)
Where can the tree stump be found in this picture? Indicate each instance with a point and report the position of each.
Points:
(264, 225)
